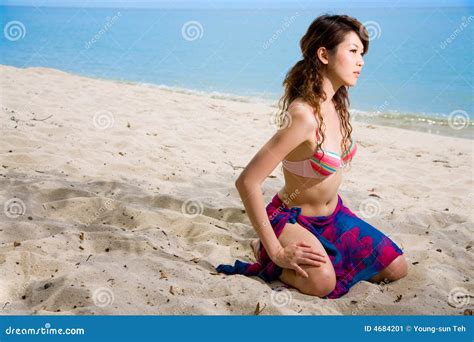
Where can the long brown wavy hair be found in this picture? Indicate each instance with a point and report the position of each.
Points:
(304, 79)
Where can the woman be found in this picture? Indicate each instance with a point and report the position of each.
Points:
(308, 238)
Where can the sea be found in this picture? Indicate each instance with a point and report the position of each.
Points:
(418, 72)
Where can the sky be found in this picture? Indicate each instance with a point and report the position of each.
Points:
(238, 3)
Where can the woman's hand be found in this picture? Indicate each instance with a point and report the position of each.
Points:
(296, 254)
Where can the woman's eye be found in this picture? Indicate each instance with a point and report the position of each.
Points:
(354, 51)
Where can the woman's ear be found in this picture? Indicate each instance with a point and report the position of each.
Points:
(322, 54)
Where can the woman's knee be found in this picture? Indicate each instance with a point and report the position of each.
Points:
(396, 270)
(320, 283)
(399, 268)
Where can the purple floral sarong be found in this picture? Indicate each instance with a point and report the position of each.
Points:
(357, 250)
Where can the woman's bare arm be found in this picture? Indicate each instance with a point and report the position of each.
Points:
(300, 129)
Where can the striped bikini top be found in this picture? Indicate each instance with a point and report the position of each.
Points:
(318, 166)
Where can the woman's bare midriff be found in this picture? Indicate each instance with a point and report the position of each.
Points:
(315, 197)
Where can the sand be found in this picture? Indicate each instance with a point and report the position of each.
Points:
(119, 198)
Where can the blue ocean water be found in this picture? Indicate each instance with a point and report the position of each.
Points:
(419, 64)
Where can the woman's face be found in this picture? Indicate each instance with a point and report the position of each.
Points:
(346, 62)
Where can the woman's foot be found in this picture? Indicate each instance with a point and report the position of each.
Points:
(255, 244)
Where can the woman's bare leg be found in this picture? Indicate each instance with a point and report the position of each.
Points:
(321, 280)
(396, 270)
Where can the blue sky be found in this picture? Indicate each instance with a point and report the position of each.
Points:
(239, 3)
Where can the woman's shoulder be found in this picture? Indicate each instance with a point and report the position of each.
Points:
(300, 109)
(301, 103)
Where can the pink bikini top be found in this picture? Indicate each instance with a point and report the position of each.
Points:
(318, 166)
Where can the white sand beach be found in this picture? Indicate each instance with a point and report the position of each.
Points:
(119, 198)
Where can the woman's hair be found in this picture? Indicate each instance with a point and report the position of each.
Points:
(304, 79)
